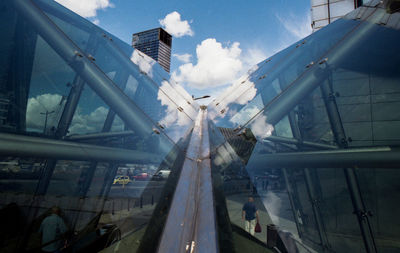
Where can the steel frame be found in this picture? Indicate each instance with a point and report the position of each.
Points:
(310, 187)
(191, 224)
(26, 146)
(349, 171)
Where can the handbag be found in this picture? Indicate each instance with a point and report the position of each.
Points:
(257, 229)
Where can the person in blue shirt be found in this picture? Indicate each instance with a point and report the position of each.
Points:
(249, 215)
(53, 230)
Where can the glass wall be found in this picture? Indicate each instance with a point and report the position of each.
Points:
(67, 155)
(332, 91)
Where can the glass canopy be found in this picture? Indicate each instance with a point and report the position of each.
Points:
(97, 138)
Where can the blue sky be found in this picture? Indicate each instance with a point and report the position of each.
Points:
(230, 36)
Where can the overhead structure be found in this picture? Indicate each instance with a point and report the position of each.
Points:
(96, 128)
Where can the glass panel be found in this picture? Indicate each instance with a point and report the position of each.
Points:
(94, 211)
(90, 114)
(145, 86)
(383, 208)
(337, 211)
(309, 51)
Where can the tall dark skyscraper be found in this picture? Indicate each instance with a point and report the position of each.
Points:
(155, 43)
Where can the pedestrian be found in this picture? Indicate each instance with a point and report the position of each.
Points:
(53, 231)
(249, 215)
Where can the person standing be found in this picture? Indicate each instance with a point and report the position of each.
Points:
(53, 231)
(250, 215)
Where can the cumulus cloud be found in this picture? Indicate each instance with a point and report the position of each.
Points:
(86, 8)
(253, 56)
(185, 58)
(173, 24)
(298, 27)
(216, 65)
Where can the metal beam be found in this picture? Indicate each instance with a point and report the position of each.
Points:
(380, 157)
(190, 226)
(310, 186)
(291, 200)
(299, 142)
(86, 68)
(349, 172)
(315, 207)
(99, 136)
(25, 146)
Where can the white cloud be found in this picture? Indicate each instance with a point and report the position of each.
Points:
(216, 65)
(185, 58)
(86, 8)
(173, 24)
(298, 27)
(253, 56)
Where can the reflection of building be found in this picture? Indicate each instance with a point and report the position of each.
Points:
(156, 43)
(324, 12)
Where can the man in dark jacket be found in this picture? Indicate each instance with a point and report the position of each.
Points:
(249, 215)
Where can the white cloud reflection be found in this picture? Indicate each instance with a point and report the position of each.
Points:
(81, 122)
(144, 62)
(260, 128)
(174, 120)
(37, 106)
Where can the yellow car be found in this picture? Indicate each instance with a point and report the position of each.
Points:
(122, 180)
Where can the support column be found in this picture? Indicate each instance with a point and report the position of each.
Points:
(310, 187)
(350, 174)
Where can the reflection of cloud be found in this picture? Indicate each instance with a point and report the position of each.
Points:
(244, 115)
(260, 128)
(173, 24)
(144, 62)
(86, 8)
(88, 123)
(40, 104)
(241, 92)
(237, 88)
(173, 115)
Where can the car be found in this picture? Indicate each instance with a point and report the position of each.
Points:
(122, 180)
(161, 175)
(142, 176)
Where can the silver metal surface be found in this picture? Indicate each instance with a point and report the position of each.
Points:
(190, 225)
